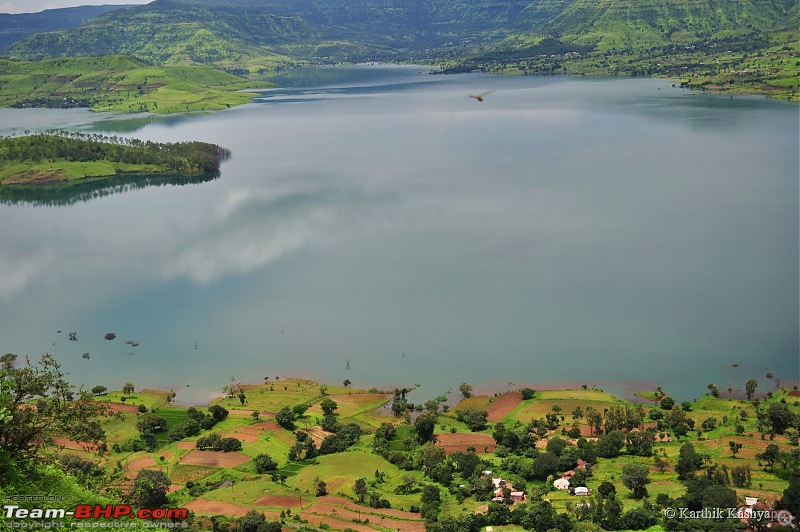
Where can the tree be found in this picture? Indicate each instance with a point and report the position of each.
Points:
(24, 430)
(264, 463)
(252, 521)
(635, 477)
(347, 383)
(689, 461)
(465, 389)
(328, 406)
(735, 447)
(770, 455)
(150, 489)
(667, 403)
(285, 418)
(7, 361)
(424, 426)
(322, 488)
(474, 418)
(750, 388)
(545, 465)
(242, 397)
(527, 393)
(99, 389)
(360, 489)
(712, 388)
(127, 389)
(152, 423)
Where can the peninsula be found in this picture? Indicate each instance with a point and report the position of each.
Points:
(64, 158)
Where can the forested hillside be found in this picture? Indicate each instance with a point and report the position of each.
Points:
(224, 32)
(18, 26)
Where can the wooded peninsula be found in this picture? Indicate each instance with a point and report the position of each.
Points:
(63, 158)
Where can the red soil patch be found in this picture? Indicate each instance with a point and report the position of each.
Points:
(461, 441)
(186, 445)
(250, 430)
(376, 516)
(140, 463)
(165, 454)
(279, 501)
(209, 507)
(119, 407)
(503, 405)
(72, 444)
(214, 458)
(332, 499)
(277, 431)
(244, 437)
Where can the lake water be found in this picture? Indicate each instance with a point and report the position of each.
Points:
(376, 224)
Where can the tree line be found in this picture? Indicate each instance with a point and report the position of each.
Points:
(57, 145)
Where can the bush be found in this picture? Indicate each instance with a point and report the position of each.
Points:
(264, 463)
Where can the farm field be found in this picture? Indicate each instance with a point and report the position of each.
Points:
(314, 479)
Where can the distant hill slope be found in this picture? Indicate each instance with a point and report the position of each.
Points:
(14, 28)
(118, 83)
(240, 34)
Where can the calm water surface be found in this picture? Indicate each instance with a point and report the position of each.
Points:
(564, 230)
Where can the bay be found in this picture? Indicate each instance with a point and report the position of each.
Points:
(377, 224)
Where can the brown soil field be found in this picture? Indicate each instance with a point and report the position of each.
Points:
(119, 407)
(277, 431)
(250, 430)
(71, 444)
(208, 507)
(335, 524)
(503, 405)
(243, 436)
(166, 454)
(376, 516)
(186, 445)
(460, 441)
(318, 434)
(214, 458)
(279, 501)
(140, 463)
(341, 501)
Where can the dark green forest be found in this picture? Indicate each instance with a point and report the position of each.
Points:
(179, 157)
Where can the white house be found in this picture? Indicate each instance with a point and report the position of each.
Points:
(561, 484)
(581, 490)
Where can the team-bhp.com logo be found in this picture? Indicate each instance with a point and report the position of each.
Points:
(94, 511)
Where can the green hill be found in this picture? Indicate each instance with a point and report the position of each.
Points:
(15, 27)
(118, 83)
(227, 34)
(703, 41)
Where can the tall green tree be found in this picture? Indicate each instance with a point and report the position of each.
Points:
(750, 388)
(636, 477)
(26, 430)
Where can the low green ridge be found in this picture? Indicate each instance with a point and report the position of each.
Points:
(119, 83)
(62, 157)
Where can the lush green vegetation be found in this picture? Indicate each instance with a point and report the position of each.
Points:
(745, 46)
(119, 83)
(63, 157)
(334, 469)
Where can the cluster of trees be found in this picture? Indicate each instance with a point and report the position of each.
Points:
(215, 442)
(180, 157)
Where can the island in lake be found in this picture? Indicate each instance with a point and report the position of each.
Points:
(66, 158)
